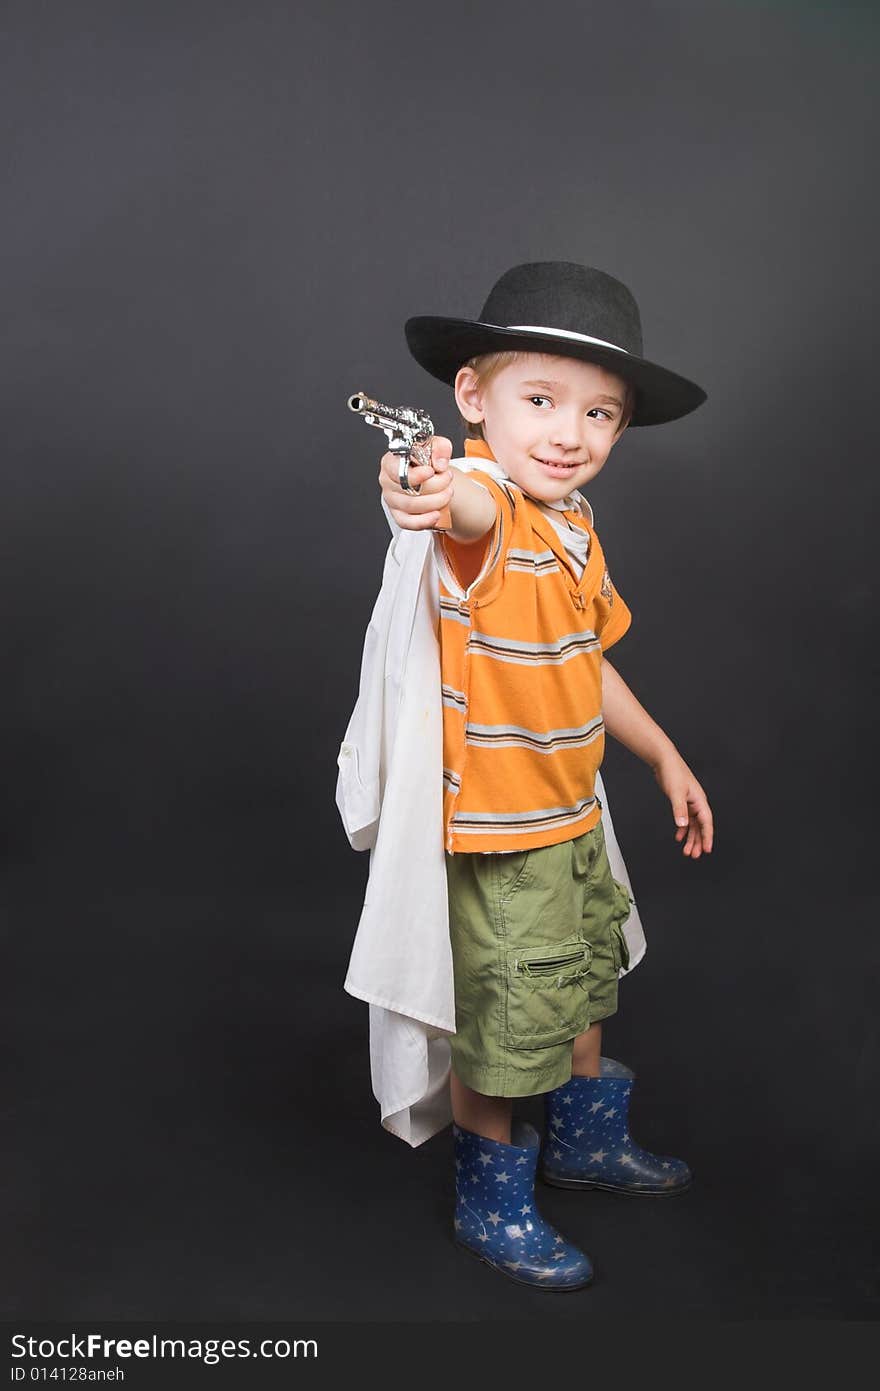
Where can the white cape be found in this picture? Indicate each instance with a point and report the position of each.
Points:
(389, 792)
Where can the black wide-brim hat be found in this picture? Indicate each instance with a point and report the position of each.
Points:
(565, 309)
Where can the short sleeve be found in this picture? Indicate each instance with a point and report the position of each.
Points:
(466, 559)
(614, 617)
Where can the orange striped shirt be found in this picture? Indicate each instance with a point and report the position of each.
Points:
(521, 643)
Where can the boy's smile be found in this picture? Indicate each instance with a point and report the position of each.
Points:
(550, 421)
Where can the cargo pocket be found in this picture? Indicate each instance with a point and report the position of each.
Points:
(623, 902)
(548, 996)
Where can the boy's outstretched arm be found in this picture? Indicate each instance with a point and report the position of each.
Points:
(625, 719)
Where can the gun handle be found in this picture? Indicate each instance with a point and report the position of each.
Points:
(421, 454)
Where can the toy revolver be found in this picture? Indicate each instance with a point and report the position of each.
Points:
(409, 432)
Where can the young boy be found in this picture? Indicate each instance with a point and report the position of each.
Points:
(546, 380)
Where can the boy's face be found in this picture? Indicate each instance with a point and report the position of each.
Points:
(549, 421)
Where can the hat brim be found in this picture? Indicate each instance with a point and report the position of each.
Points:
(442, 346)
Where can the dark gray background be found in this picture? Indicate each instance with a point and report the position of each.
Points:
(217, 218)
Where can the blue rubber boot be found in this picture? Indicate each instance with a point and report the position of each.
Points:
(588, 1145)
(496, 1217)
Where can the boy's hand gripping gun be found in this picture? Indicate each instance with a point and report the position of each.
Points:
(409, 434)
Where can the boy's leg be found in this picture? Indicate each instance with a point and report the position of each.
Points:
(501, 1048)
(482, 1115)
(588, 1144)
(586, 1052)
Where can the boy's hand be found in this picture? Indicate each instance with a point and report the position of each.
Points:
(419, 511)
(690, 805)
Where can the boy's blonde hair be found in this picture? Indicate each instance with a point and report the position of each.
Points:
(488, 365)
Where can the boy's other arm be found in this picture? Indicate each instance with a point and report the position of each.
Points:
(473, 509)
(625, 719)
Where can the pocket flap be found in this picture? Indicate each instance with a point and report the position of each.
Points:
(564, 963)
(620, 947)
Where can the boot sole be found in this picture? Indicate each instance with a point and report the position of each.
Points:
(621, 1192)
(531, 1284)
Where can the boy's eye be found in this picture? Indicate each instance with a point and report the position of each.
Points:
(593, 411)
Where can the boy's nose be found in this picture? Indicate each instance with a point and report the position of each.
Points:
(565, 435)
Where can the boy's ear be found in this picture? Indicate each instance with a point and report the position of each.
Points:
(469, 395)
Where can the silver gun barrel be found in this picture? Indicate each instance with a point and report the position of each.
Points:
(361, 402)
(415, 423)
(401, 415)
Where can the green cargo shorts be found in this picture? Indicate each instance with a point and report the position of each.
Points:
(537, 948)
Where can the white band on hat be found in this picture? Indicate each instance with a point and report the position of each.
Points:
(568, 333)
